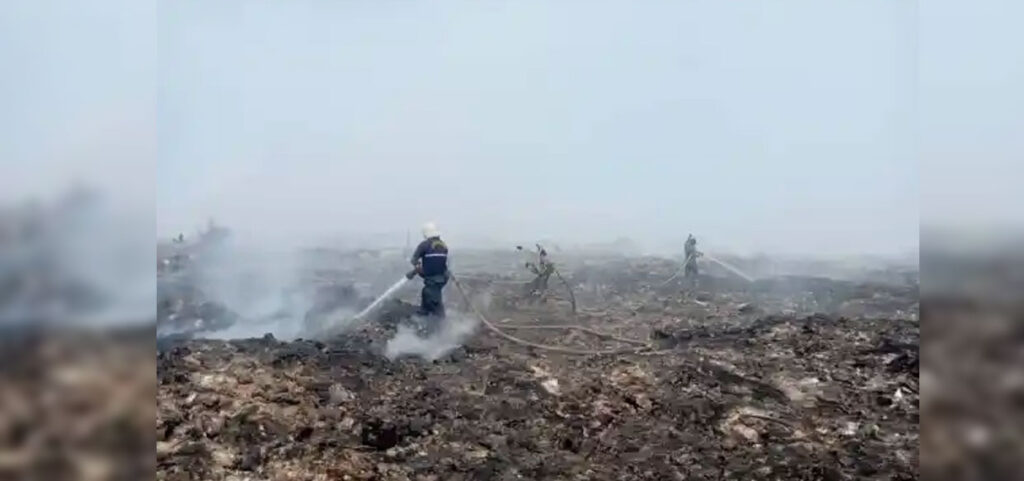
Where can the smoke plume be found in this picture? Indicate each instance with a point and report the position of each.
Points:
(454, 331)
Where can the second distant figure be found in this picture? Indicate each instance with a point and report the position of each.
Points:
(690, 271)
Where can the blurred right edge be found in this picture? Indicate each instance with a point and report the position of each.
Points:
(972, 374)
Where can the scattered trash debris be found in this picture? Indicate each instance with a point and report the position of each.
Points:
(787, 390)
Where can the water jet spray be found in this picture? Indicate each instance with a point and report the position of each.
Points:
(388, 293)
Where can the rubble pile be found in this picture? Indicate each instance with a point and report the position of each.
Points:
(972, 386)
(734, 388)
(76, 404)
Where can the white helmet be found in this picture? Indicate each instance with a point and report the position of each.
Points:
(430, 230)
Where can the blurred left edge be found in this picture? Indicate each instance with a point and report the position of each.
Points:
(77, 246)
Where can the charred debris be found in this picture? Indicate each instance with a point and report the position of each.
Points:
(787, 377)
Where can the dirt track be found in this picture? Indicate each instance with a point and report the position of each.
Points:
(740, 393)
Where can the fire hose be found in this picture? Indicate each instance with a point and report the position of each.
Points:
(644, 347)
(568, 287)
(670, 279)
(726, 265)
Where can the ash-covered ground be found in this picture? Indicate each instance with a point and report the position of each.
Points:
(788, 377)
(76, 403)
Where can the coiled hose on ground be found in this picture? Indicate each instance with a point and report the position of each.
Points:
(643, 347)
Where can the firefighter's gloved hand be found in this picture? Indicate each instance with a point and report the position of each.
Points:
(409, 275)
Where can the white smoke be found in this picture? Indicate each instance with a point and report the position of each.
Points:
(334, 323)
(257, 284)
(80, 259)
(261, 290)
(454, 330)
(482, 300)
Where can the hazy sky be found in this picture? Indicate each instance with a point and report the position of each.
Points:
(78, 90)
(790, 126)
(782, 128)
(972, 128)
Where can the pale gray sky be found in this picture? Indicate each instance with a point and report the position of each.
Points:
(794, 126)
(783, 128)
(972, 96)
(79, 91)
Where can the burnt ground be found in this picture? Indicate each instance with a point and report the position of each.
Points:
(972, 403)
(76, 403)
(799, 379)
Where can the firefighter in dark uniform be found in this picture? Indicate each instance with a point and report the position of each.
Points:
(690, 271)
(431, 263)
